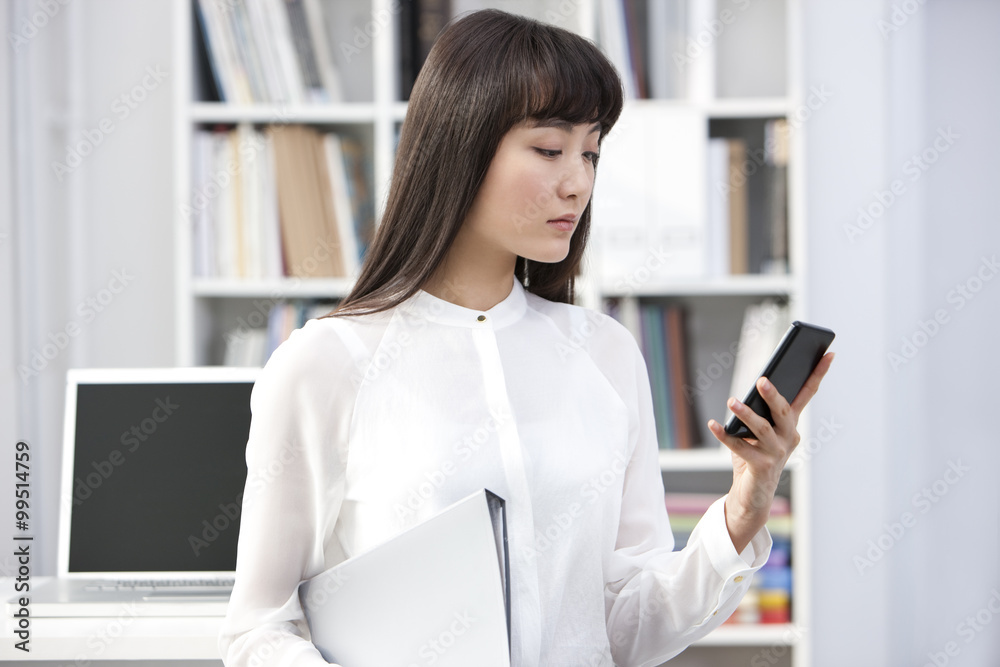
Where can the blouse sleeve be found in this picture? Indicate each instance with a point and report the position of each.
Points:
(658, 600)
(293, 495)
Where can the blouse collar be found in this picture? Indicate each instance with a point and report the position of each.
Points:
(438, 310)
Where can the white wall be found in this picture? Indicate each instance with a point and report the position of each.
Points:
(112, 213)
(908, 425)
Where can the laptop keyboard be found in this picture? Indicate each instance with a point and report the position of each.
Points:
(178, 585)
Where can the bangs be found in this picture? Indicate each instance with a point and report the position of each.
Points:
(555, 74)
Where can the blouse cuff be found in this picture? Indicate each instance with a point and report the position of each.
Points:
(734, 569)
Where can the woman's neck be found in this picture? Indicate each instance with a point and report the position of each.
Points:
(477, 285)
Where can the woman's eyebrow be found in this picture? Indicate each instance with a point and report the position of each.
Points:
(561, 124)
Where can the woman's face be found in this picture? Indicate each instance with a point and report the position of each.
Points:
(535, 191)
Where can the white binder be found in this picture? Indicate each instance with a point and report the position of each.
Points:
(437, 593)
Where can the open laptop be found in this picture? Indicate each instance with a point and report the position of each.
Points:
(153, 474)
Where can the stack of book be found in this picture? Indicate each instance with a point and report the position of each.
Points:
(249, 346)
(269, 51)
(748, 203)
(646, 40)
(286, 201)
(661, 335)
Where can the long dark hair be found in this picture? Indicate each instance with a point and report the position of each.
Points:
(487, 72)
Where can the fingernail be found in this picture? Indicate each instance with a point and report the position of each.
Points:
(734, 405)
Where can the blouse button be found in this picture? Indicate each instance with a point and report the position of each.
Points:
(738, 578)
(481, 318)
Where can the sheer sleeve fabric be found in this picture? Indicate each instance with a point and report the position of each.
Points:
(301, 407)
(658, 601)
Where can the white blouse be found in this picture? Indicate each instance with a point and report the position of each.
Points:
(363, 426)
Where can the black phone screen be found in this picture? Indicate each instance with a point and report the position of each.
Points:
(788, 368)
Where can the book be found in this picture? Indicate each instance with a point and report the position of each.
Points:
(667, 29)
(420, 22)
(288, 200)
(343, 211)
(433, 577)
(653, 352)
(271, 51)
(717, 260)
(763, 326)
(776, 149)
(649, 208)
(613, 40)
(685, 434)
(330, 88)
(739, 209)
(285, 53)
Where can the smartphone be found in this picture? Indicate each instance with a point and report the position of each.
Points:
(790, 365)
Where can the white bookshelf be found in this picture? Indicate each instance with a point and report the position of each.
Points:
(206, 306)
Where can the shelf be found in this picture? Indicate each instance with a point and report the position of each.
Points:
(712, 458)
(708, 458)
(747, 107)
(761, 107)
(754, 284)
(216, 112)
(291, 288)
(733, 107)
(777, 634)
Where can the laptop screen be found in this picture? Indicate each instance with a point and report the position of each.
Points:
(158, 469)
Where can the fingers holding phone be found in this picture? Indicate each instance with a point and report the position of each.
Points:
(790, 369)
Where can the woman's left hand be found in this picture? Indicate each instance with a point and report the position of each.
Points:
(757, 464)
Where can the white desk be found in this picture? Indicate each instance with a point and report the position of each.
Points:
(127, 636)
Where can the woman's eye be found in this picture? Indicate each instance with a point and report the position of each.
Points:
(592, 156)
(548, 153)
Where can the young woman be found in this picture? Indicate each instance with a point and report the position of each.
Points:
(457, 363)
